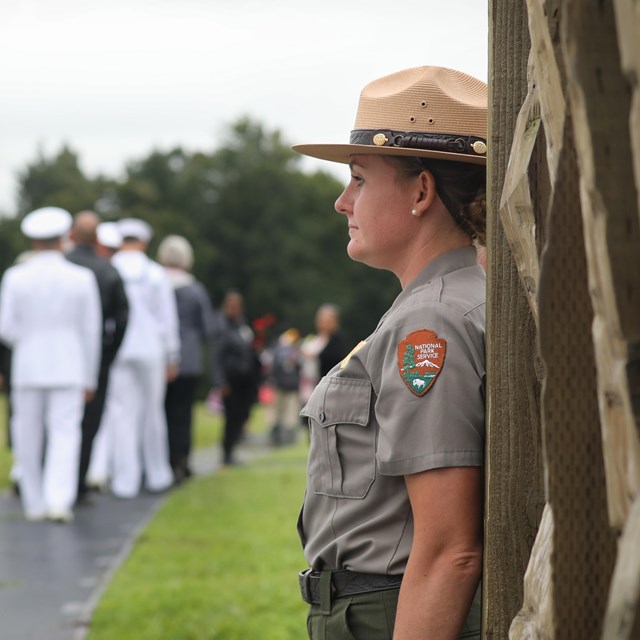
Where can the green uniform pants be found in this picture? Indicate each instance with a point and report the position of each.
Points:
(371, 616)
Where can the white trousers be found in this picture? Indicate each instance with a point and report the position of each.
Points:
(138, 427)
(52, 486)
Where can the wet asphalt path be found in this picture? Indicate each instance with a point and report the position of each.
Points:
(52, 575)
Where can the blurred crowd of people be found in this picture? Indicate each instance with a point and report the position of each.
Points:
(102, 355)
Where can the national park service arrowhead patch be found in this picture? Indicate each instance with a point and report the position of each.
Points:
(420, 360)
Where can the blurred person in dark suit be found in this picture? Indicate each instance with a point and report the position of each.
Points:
(115, 313)
(109, 240)
(235, 370)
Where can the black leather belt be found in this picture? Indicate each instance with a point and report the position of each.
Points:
(345, 583)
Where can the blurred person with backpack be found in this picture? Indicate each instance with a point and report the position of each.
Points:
(284, 378)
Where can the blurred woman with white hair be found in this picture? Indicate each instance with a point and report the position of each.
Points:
(196, 328)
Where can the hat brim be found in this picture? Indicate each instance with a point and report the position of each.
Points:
(343, 152)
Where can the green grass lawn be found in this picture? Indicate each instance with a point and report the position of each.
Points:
(218, 561)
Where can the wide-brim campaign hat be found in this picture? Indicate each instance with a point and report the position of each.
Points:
(430, 112)
(46, 223)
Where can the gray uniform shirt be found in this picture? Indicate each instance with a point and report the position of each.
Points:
(408, 399)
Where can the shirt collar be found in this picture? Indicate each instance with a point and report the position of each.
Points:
(438, 267)
(47, 254)
(85, 249)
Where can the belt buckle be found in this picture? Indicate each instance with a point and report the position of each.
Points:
(303, 579)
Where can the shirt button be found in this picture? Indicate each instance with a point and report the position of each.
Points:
(322, 416)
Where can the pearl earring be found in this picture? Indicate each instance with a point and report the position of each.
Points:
(414, 213)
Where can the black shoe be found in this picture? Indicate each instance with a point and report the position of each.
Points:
(233, 462)
(181, 471)
(178, 474)
(85, 499)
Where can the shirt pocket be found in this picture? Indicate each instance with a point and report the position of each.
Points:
(342, 455)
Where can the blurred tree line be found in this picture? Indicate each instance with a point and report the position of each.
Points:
(257, 223)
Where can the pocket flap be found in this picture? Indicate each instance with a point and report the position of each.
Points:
(340, 401)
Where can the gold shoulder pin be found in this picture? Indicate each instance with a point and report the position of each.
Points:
(353, 351)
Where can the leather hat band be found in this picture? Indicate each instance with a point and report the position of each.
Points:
(466, 145)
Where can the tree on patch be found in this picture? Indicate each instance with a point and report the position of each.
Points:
(409, 361)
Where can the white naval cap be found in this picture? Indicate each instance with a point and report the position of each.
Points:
(46, 223)
(135, 228)
(109, 235)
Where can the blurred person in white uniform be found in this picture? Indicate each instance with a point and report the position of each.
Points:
(98, 474)
(14, 472)
(147, 359)
(50, 315)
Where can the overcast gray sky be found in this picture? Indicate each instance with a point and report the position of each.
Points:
(115, 79)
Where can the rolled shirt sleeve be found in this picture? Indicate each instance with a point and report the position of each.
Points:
(445, 426)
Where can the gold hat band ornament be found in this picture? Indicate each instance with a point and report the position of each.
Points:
(480, 147)
(379, 139)
(399, 115)
(417, 140)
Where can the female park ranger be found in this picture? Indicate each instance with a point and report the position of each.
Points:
(392, 518)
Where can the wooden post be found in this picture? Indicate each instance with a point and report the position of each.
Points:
(514, 497)
(575, 155)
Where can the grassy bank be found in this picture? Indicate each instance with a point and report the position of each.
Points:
(5, 454)
(218, 561)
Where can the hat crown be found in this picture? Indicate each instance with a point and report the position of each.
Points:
(109, 235)
(46, 223)
(427, 112)
(135, 228)
(427, 100)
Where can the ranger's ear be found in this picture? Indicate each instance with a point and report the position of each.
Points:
(425, 194)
